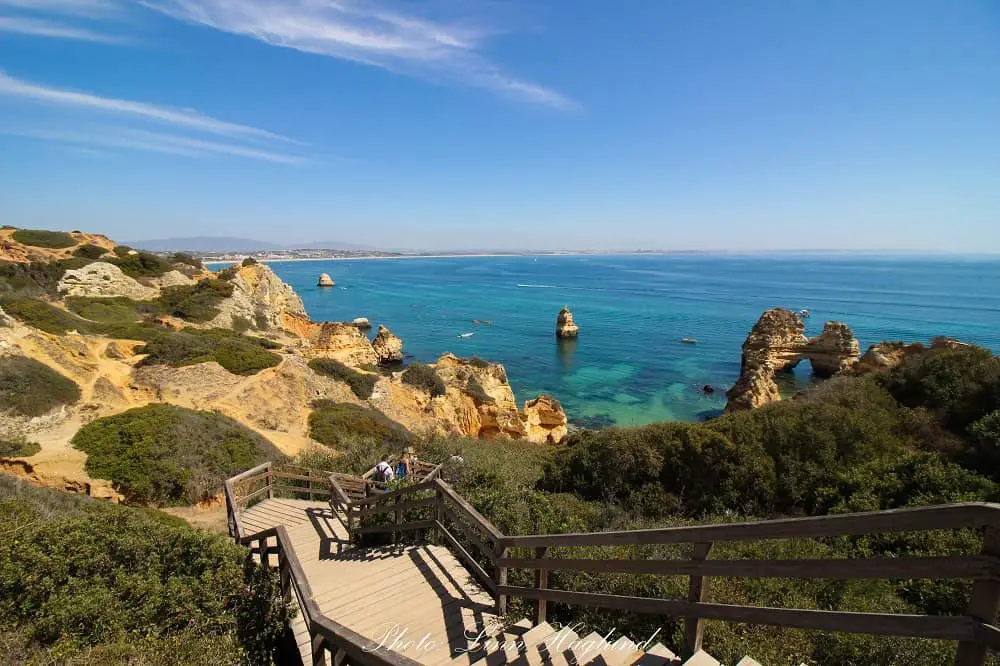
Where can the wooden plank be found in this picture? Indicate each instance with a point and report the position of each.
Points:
(401, 491)
(405, 527)
(467, 559)
(250, 472)
(469, 511)
(402, 506)
(694, 628)
(947, 517)
(983, 605)
(957, 567)
(470, 534)
(883, 624)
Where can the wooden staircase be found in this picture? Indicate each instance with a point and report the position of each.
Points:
(443, 573)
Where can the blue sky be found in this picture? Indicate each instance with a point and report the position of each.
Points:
(666, 124)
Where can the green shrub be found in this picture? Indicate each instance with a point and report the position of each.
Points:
(185, 258)
(84, 581)
(361, 384)
(198, 302)
(343, 424)
(239, 354)
(35, 279)
(960, 386)
(424, 377)
(40, 238)
(122, 250)
(41, 315)
(18, 447)
(477, 362)
(164, 454)
(227, 273)
(142, 264)
(116, 310)
(89, 251)
(249, 261)
(983, 454)
(31, 388)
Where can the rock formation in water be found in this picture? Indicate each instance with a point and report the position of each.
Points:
(260, 298)
(565, 326)
(362, 323)
(778, 343)
(544, 420)
(325, 280)
(388, 348)
(102, 279)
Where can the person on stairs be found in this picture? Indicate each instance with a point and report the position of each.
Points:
(405, 465)
(383, 472)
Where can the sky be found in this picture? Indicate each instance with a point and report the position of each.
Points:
(507, 124)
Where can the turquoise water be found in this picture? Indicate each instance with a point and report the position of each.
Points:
(629, 365)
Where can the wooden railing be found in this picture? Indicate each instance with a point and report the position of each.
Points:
(489, 555)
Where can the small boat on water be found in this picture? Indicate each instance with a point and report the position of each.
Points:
(689, 341)
(465, 335)
(804, 313)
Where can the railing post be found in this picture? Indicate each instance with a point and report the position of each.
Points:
(541, 582)
(318, 650)
(265, 555)
(398, 517)
(694, 627)
(500, 577)
(270, 482)
(983, 605)
(309, 483)
(439, 517)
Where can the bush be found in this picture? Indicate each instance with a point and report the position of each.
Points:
(239, 354)
(117, 310)
(89, 251)
(35, 278)
(983, 454)
(41, 315)
(164, 454)
(424, 377)
(18, 447)
(249, 261)
(30, 388)
(343, 424)
(187, 259)
(198, 302)
(361, 384)
(84, 581)
(56, 240)
(142, 264)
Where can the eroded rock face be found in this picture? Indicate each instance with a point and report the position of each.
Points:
(330, 339)
(325, 280)
(101, 279)
(259, 298)
(777, 343)
(888, 355)
(565, 326)
(388, 348)
(545, 420)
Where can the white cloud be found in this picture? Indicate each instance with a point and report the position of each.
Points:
(367, 32)
(157, 142)
(45, 28)
(17, 88)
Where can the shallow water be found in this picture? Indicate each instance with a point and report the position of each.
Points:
(629, 365)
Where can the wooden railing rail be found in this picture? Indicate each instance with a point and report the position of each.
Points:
(489, 554)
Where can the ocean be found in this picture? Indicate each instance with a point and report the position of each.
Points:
(629, 366)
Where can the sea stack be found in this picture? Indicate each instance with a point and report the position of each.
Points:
(325, 280)
(565, 326)
(388, 347)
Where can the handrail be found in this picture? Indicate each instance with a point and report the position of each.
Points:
(455, 517)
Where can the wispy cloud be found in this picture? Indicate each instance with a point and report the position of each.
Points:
(157, 142)
(45, 28)
(371, 32)
(17, 88)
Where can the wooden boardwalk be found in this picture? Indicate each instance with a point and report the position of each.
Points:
(419, 600)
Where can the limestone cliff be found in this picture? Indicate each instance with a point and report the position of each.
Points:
(260, 298)
(777, 343)
(388, 348)
(14, 251)
(102, 279)
(545, 420)
(331, 339)
(888, 355)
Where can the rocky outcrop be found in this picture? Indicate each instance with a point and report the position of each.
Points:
(362, 323)
(171, 279)
(388, 348)
(260, 298)
(544, 420)
(101, 279)
(834, 350)
(13, 251)
(565, 326)
(325, 280)
(889, 355)
(331, 339)
(778, 343)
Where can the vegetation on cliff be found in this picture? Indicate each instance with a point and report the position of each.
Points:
(357, 430)
(164, 454)
(83, 581)
(239, 354)
(424, 377)
(42, 238)
(30, 388)
(198, 302)
(362, 383)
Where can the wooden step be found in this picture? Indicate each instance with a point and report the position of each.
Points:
(555, 647)
(702, 658)
(614, 654)
(525, 651)
(587, 648)
(748, 661)
(657, 655)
